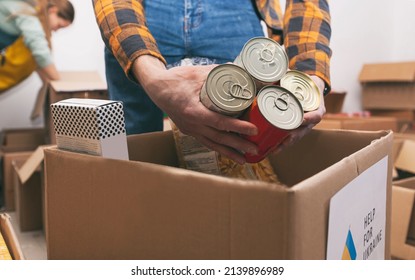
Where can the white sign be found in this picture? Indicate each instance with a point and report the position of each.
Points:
(357, 217)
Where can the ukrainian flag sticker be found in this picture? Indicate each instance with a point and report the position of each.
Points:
(349, 251)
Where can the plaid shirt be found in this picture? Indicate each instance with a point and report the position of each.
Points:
(305, 27)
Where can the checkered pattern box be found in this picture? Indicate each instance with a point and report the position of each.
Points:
(91, 126)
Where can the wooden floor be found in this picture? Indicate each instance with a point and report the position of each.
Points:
(33, 243)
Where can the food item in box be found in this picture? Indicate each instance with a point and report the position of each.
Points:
(194, 156)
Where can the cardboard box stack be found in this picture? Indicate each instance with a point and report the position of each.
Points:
(335, 118)
(148, 208)
(388, 89)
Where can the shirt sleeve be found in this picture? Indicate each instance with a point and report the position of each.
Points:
(34, 38)
(307, 33)
(124, 31)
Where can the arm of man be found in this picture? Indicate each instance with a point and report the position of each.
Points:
(175, 91)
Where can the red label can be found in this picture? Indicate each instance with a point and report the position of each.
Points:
(275, 112)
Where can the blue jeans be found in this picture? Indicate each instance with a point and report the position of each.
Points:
(214, 29)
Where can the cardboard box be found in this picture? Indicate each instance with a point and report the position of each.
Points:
(28, 197)
(72, 84)
(334, 102)
(405, 118)
(8, 178)
(15, 140)
(146, 208)
(403, 219)
(336, 121)
(388, 85)
(30, 190)
(10, 237)
(91, 126)
(24, 139)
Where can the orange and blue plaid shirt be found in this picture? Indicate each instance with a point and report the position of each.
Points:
(305, 27)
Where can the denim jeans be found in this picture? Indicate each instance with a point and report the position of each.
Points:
(213, 29)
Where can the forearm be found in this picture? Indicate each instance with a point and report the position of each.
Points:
(307, 35)
(48, 73)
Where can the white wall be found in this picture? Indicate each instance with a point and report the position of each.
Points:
(363, 31)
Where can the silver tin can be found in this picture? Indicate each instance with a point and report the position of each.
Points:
(304, 88)
(228, 90)
(264, 59)
(280, 107)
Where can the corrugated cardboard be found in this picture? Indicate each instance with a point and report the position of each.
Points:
(29, 184)
(16, 140)
(72, 84)
(388, 85)
(334, 121)
(406, 158)
(334, 102)
(10, 237)
(8, 181)
(146, 208)
(25, 139)
(403, 219)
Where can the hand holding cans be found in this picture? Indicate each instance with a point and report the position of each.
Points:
(280, 96)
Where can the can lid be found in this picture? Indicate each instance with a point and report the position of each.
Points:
(303, 87)
(280, 107)
(264, 59)
(230, 87)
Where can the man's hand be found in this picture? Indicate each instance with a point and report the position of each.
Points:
(176, 92)
(311, 119)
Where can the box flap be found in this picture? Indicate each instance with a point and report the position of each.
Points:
(388, 72)
(72, 81)
(31, 164)
(10, 237)
(406, 157)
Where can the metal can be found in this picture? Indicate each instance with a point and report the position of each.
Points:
(275, 112)
(264, 59)
(228, 90)
(303, 87)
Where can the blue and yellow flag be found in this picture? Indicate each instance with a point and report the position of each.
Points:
(349, 252)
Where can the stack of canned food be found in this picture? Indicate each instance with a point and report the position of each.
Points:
(261, 89)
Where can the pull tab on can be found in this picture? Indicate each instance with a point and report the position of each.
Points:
(240, 92)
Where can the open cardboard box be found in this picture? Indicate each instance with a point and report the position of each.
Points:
(403, 219)
(334, 102)
(147, 208)
(388, 85)
(10, 237)
(339, 121)
(16, 144)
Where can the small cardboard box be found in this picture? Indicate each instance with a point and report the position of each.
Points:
(147, 208)
(388, 85)
(338, 121)
(403, 219)
(91, 126)
(72, 84)
(334, 102)
(10, 237)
